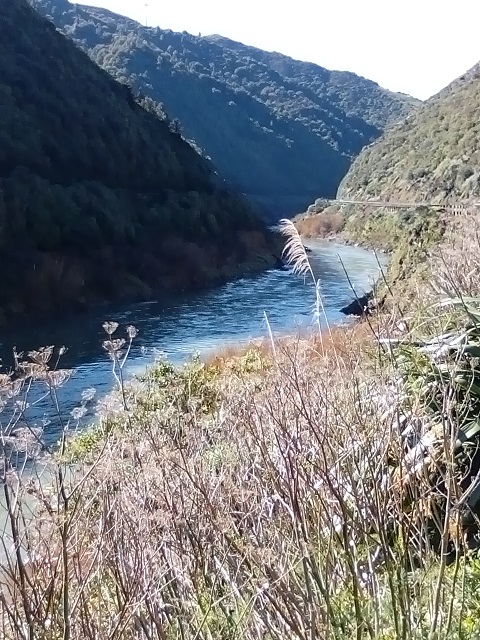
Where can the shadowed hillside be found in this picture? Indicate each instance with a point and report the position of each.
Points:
(282, 131)
(100, 199)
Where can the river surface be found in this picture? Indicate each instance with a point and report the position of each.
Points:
(182, 325)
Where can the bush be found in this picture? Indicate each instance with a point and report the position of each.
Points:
(321, 225)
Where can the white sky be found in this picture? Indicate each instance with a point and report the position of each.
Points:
(414, 46)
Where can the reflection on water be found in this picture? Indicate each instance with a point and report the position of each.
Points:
(184, 324)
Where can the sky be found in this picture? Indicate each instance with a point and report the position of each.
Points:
(413, 46)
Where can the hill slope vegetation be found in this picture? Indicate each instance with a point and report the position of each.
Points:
(434, 155)
(280, 130)
(100, 199)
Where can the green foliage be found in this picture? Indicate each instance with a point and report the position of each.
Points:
(408, 235)
(83, 445)
(470, 620)
(253, 361)
(287, 119)
(440, 377)
(432, 156)
(99, 198)
(447, 364)
(195, 384)
(168, 393)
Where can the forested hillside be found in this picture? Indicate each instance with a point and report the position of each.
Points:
(434, 155)
(353, 94)
(100, 199)
(280, 130)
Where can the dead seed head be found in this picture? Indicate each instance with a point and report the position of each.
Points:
(110, 327)
(132, 332)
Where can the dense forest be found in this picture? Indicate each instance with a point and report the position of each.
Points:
(280, 130)
(101, 199)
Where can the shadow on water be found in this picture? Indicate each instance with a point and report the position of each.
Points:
(181, 325)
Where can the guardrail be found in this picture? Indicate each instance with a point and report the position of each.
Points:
(455, 207)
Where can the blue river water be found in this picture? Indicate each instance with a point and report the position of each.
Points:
(179, 326)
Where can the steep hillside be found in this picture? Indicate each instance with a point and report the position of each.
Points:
(100, 199)
(280, 130)
(356, 96)
(432, 158)
(434, 155)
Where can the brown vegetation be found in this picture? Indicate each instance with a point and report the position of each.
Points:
(270, 493)
(321, 225)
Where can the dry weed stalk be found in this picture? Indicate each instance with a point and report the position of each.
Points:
(261, 514)
(263, 497)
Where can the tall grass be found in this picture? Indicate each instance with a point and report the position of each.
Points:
(313, 491)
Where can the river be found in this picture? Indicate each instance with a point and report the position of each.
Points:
(181, 325)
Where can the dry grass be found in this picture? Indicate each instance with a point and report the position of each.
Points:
(188, 521)
(244, 503)
(264, 494)
(321, 225)
(456, 264)
(353, 336)
(226, 354)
